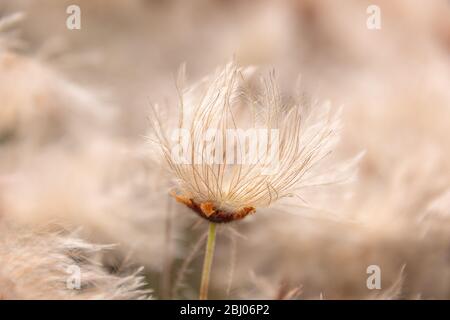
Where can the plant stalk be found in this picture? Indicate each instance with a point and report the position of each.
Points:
(209, 255)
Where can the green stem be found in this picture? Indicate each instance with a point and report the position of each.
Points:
(209, 255)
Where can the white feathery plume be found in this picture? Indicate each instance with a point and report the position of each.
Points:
(295, 139)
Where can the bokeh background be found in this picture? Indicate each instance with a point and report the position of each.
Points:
(74, 108)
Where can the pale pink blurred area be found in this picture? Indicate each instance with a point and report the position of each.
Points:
(74, 108)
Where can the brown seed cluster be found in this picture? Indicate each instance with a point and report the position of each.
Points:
(208, 211)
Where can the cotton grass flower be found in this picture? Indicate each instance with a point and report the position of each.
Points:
(240, 149)
(236, 148)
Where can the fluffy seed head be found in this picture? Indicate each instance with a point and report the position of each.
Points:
(237, 148)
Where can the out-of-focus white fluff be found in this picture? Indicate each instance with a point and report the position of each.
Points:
(36, 265)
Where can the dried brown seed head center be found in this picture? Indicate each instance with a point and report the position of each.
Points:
(208, 210)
